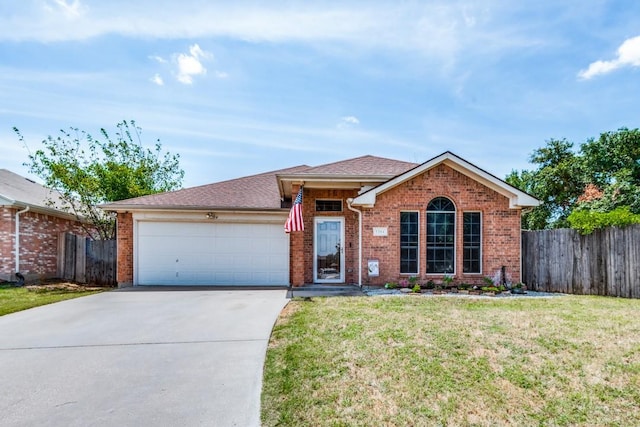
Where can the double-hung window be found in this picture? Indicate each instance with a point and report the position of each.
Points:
(472, 241)
(409, 242)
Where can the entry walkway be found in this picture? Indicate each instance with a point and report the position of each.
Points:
(316, 290)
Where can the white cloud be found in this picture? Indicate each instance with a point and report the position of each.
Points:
(628, 55)
(158, 59)
(157, 80)
(70, 10)
(196, 52)
(187, 65)
(190, 65)
(438, 29)
(348, 122)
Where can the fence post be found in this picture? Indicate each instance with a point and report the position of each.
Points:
(81, 259)
(61, 255)
(69, 257)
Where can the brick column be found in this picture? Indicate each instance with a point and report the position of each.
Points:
(296, 247)
(124, 277)
(296, 258)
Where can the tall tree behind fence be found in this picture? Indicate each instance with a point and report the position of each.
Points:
(84, 260)
(606, 262)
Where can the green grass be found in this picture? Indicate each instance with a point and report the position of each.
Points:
(452, 361)
(17, 299)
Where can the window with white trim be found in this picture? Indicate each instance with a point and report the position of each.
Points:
(441, 236)
(472, 242)
(409, 242)
(328, 205)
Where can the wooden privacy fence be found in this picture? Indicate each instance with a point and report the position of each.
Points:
(83, 260)
(606, 262)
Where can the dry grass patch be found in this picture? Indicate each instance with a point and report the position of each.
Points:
(453, 361)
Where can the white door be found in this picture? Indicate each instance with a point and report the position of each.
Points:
(328, 250)
(184, 253)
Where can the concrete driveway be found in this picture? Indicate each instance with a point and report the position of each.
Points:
(148, 358)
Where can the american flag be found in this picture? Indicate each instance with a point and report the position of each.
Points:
(295, 222)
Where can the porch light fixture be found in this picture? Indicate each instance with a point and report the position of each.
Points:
(212, 215)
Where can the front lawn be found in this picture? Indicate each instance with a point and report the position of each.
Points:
(14, 299)
(399, 361)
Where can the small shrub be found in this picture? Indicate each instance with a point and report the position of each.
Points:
(586, 221)
(488, 281)
(447, 281)
(430, 285)
(416, 289)
(390, 285)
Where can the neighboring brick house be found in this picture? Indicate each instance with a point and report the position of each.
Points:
(26, 205)
(367, 220)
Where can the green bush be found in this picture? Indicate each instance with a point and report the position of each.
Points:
(586, 221)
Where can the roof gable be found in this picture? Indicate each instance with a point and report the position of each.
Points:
(517, 198)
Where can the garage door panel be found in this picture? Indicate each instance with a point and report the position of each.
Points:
(211, 254)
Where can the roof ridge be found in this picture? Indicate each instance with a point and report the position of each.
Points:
(369, 156)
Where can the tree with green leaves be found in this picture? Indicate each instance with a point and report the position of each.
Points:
(612, 164)
(597, 186)
(88, 171)
(557, 182)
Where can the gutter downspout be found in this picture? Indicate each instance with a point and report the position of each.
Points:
(349, 201)
(17, 243)
(523, 211)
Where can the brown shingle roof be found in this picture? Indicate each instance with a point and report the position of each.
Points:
(260, 191)
(250, 192)
(361, 166)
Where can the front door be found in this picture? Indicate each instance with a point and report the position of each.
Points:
(328, 250)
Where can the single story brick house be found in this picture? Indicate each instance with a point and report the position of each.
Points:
(367, 220)
(31, 221)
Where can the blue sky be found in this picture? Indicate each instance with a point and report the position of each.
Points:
(242, 87)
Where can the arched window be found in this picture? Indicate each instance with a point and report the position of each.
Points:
(441, 236)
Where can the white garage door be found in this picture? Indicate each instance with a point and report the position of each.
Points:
(175, 253)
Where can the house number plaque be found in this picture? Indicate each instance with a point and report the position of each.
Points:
(380, 231)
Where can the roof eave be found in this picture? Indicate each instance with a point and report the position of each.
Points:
(16, 204)
(335, 177)
(134, 208)
(324, 181)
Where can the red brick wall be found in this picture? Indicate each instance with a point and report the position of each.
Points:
(500, 228)
(301, 250)
(7, 242)
(38, 243)
(500, 225)
(124, 233)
